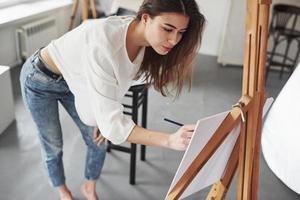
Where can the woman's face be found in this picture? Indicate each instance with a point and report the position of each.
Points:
(164, 31)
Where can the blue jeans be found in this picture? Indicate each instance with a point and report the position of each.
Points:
(41, 94)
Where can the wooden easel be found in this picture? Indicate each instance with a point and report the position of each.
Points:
(86, 5)
(245, 155)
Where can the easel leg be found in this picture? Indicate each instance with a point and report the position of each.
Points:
(85, 10)
(253, 85)
(73, 14)
(263, 23)
(93, 8)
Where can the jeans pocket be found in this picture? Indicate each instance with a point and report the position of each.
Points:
(39, 84)
(40, 77)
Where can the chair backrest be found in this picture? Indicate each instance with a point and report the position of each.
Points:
(122, 12)
(284, 17)
(125, 11)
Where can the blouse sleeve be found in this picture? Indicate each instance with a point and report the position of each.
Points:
(103, 93)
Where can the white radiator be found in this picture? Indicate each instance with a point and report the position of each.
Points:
(34, 35)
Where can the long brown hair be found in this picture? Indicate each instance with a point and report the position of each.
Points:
(176, 66)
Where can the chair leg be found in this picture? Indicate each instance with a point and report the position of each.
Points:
(133, 146)
(285, 57)
(108, 148)
(132, 164)
(276, 37)
(144, 121)
(143, 153)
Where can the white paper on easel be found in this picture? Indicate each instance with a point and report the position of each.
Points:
(212, 171)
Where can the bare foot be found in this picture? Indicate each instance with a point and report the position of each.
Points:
(64, 193)
(66, 197)
(89, 192)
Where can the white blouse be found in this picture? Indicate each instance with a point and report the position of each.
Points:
(94, 62)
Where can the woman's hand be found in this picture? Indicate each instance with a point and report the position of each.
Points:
(97, 136)
(181, 138)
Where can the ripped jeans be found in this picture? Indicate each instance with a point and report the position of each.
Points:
(41, 94)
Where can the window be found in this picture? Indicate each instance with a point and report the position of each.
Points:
(7, 3)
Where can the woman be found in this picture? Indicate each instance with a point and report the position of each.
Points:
(89, 70)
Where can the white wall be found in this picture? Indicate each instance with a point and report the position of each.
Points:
(232, 44)
(216, 13)
(8, 52)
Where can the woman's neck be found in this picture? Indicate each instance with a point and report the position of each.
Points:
(135, 39)
(135, 34)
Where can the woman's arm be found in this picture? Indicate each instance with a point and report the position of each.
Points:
(177, 141)
(139, 135)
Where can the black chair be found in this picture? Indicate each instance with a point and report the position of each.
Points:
(139, 96)
(283, 30)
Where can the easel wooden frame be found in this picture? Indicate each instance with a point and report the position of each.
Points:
(84, 10)
(245, 155)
